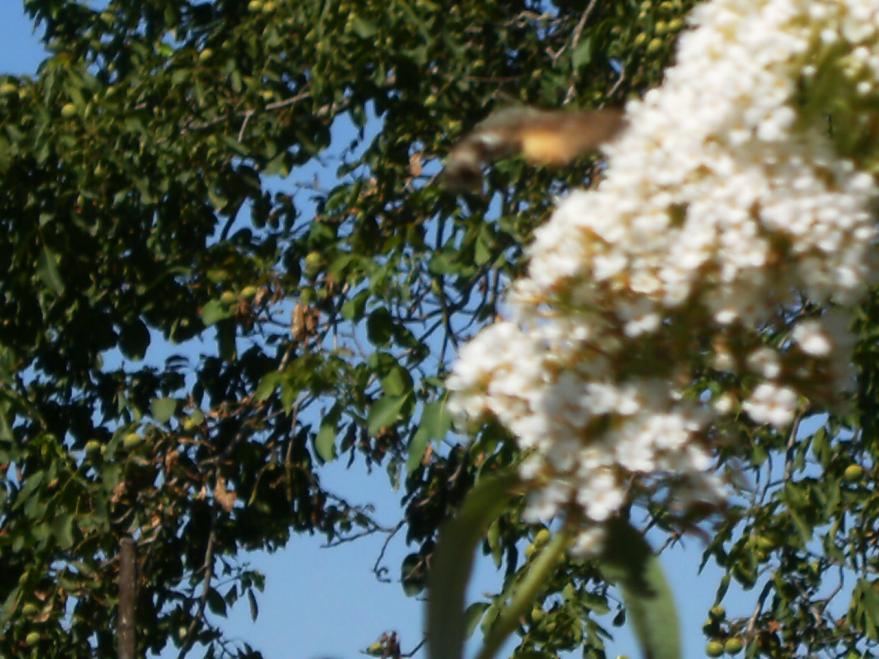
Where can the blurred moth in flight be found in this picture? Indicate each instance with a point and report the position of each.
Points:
(541, 137)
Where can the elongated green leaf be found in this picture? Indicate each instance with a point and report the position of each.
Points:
(524, 594)
(325, 442)
(453, 562)
(628, 560)
(416, 450)
(384, 412)
(267, 386)
(48, 271)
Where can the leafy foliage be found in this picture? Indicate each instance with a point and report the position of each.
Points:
(190, 327)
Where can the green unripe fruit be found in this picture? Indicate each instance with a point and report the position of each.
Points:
(537, 614)
(93, 446)
(714, 649)
(68, 110)
(655, 45)
(205, 55)
(269, 7)
(254, 5)
(30, 609)
(313, 261)
(131, 440)
(717, 612)
(7, 88)
(248, 292)
(228, 297)
(853, 473)
(733, 645)
(32, 638)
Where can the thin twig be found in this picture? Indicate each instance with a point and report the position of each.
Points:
(619, 81)
(377, 569)
(752, 621)
(789, 449)
(575, 41)
(412, 652)
(247, 116)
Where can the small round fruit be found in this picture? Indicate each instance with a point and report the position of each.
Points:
(269, 7)
(537, 614)
(714, 649)
(733, 645)
(7, 88)
(254, 5)
(313, 262)
(228, 297)
(131, 440)
(32, 638)
(30, 609)
(717, 612)
(853, 473)
(205, 55)
(68, 110)
(248, 292)
(93, 446)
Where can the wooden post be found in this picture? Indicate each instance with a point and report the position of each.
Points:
(125, 631)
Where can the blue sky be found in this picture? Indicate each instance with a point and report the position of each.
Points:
(321, 603)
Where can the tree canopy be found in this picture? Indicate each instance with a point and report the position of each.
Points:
(157, 199)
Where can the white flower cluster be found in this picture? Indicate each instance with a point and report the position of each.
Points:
(725, 209)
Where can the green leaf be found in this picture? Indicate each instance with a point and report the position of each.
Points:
(628, 560)
(384, 412)
(62, 529)
(134, 340)
(215, 311)
(325, 442)
(412, 574)
(436, 420)
(267, 386)
(380, 327)
(473, 615)
(582, 54)
(254, 607)
(453, 562)
(216, 603)
(5, 428)
(363, 28)
(162, 409)
(435, 423)
(416, 450)
(397, 382)
(48, 271)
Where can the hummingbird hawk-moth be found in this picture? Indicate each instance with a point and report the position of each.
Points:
(542, 137)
